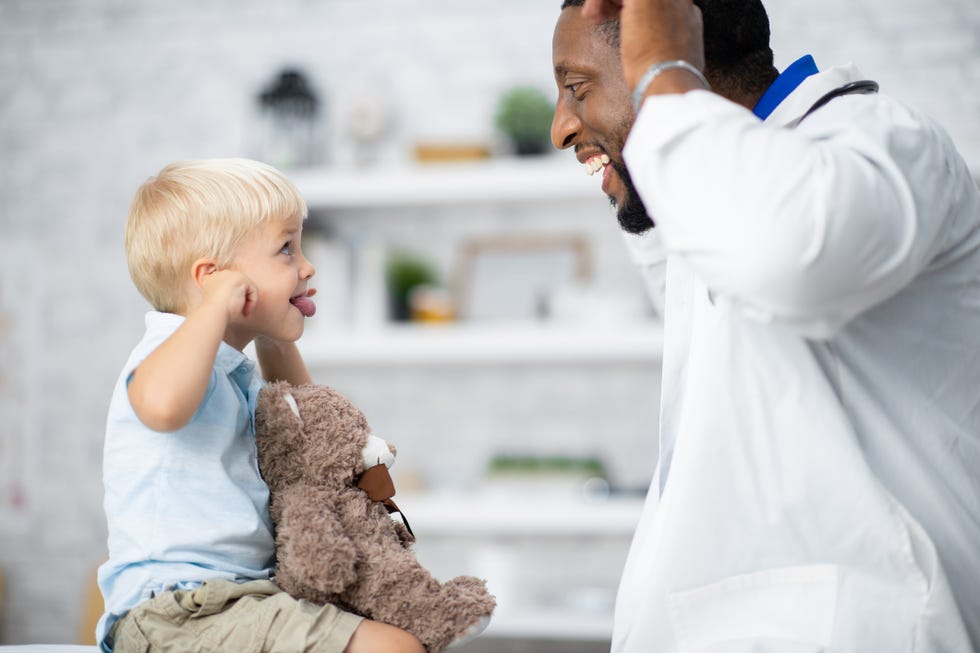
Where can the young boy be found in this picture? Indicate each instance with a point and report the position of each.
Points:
(214, 246)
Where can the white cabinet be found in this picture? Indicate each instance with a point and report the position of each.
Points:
(443, 393)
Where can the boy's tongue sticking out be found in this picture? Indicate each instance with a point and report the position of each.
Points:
(304, 304)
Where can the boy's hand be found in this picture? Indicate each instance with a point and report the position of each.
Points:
(280, 360)
(230, 290)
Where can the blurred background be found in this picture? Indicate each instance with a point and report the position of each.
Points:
(476, 300)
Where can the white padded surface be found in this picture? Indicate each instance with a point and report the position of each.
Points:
(49, 648)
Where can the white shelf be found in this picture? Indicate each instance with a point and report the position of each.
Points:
(487, 344)
(505, 179)
(567, 610)
(502, 513)
(552, 624)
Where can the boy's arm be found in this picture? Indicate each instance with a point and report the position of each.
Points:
(281, 361)
(168, 386)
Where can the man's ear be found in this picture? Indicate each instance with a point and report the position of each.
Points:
(202, 268)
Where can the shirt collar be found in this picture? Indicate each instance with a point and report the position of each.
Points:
(785, 84)
(229, 359)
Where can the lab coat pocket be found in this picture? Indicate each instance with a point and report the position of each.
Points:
(785, 610)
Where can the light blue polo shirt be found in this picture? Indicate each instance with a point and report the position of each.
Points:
(186, 506)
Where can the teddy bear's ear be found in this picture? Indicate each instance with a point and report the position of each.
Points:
(293, 406)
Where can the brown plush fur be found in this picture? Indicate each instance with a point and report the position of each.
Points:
(335, 545)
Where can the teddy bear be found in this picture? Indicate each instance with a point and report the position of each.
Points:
(338, 543)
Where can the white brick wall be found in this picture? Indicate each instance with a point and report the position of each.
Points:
(924, 53)
(97, 95)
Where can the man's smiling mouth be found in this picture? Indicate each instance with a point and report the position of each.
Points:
(595, 163)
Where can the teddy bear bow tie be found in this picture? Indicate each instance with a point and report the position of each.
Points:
(377, 483)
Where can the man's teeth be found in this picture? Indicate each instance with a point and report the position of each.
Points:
(596, 163)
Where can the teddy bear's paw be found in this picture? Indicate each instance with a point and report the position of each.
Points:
(472, 632)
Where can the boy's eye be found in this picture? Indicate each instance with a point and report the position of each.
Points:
(287, 249)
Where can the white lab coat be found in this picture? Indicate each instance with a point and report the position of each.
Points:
(818, 486)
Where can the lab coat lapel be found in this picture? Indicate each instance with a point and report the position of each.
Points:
(791, 110)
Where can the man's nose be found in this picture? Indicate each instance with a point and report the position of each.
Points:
(565, 126)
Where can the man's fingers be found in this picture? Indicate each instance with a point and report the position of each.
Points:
(653, 31)
(601, 10)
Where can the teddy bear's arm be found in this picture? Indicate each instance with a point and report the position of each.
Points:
(311, 544)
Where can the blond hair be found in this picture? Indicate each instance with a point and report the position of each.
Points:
(199, 208)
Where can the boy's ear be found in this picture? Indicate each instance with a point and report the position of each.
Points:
(201, 268)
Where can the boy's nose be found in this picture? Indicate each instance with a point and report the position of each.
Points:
(306, 269)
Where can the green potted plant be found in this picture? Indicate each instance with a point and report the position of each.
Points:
(405, 271)
(524, 115)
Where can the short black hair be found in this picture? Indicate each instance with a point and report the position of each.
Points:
(738, 57)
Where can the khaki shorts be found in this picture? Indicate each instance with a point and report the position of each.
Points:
(251, 617)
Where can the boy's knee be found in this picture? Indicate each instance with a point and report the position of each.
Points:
(373, 636)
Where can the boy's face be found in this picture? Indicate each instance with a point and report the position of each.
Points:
(271, 257)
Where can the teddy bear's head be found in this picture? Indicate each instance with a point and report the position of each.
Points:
(310, 434)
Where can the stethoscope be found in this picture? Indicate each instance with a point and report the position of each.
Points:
(865, 86)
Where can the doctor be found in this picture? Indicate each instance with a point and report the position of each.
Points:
(818, 487)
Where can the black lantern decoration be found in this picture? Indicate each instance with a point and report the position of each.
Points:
(289, 111)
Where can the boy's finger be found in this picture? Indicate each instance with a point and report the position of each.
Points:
(251, 296)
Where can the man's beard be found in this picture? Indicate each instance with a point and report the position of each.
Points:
(632, 215)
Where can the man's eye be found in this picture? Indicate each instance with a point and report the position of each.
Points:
(573, 88)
